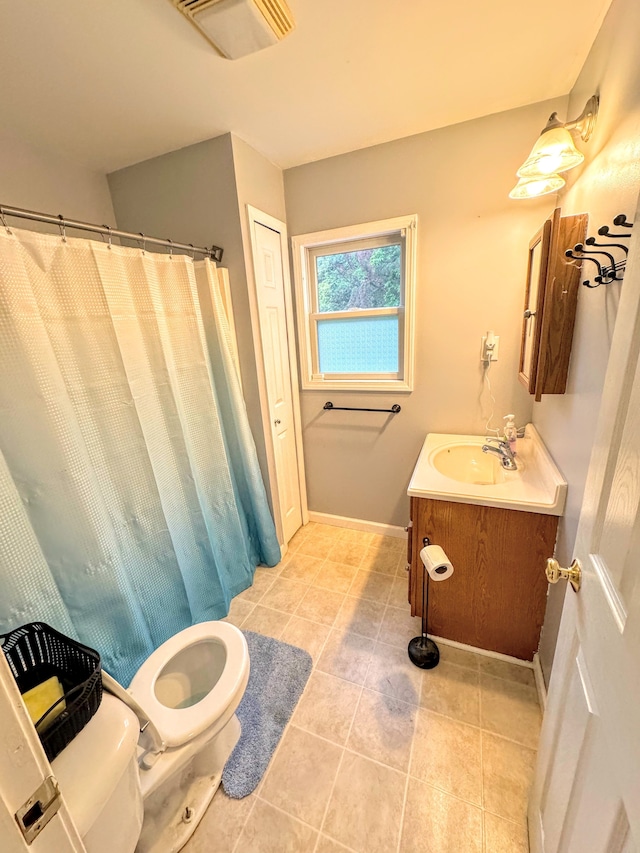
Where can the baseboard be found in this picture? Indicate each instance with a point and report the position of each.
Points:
(358, 524)
(541, 686)
(486, 652)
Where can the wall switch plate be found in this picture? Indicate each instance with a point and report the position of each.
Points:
(489, 348)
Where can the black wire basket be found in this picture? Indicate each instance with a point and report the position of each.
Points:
(36, 652)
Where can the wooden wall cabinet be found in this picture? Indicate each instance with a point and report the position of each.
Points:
(551, 298)
(496, 597)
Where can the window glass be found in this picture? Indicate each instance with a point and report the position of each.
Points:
(367, 278)
(358, 345)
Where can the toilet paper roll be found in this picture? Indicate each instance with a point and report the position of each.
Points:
(436, 562)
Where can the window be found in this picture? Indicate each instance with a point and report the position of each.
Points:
(354, 293)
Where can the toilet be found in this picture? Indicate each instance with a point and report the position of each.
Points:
(170, 735)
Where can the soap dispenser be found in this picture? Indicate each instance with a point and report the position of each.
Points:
(511, 432)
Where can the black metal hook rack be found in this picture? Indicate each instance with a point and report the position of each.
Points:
(392, 411)
(614, 266)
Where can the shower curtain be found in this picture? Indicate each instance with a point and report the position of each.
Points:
(131, 502)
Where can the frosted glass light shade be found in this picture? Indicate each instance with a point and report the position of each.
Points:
(540, 185)
(553, 152)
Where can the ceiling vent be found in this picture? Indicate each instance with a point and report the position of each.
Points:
(238, 27)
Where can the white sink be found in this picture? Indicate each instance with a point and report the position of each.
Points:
(454, 468)
(466, 463)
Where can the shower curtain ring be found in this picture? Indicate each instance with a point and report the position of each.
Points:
(144, 242)
(62, 227)
(4, 221)
(108, 227)
(170, 242)
(193, 252)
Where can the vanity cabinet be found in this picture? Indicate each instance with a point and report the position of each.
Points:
(551, 298)
(496, 597)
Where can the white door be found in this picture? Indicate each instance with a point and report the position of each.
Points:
(586, 793)
(23, 767)
(278, 354)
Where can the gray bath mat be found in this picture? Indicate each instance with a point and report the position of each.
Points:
(278, 676)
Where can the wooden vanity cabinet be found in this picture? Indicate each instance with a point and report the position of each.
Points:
(551, 298)
(496, 597)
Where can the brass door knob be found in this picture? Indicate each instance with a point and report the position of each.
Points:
(573, 574)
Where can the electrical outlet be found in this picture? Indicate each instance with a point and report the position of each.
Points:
(489, 348)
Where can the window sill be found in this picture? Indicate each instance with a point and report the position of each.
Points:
(372, 385)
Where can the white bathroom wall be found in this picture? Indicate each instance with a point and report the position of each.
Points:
(33, 178)
(472, 257)
(605, 185)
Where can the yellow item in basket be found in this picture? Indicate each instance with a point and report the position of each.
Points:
(40, 698)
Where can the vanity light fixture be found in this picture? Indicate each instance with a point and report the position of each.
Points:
(537, 186)
(553, 153)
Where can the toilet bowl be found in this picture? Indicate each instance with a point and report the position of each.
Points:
(156, 756)
(188, 689)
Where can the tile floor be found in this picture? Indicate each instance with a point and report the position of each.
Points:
(379, 756)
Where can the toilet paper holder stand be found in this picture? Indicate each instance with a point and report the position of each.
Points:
(423, 652)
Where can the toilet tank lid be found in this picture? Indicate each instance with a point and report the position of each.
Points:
(89, 769)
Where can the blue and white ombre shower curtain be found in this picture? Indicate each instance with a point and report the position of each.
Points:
(131, 502)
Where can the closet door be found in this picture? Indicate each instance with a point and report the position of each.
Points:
(279, 360)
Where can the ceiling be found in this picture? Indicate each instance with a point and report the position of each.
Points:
(112, 82)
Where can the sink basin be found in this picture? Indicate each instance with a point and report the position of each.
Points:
(454, 468)
(466, 463)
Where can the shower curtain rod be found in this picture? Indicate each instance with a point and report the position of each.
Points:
(215, 252)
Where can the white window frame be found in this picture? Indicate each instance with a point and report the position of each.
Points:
(305, 248)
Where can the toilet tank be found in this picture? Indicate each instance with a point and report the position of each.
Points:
(98, 777)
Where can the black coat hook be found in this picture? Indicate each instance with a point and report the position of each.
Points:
(591, 241)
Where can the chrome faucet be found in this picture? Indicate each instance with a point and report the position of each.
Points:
(503, 451)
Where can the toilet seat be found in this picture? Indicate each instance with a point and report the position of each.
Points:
(177, 726)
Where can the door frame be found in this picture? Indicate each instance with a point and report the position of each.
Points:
(23, 766)
(259, 217)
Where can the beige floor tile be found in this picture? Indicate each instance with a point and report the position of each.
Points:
(300, 778)
(452, 690)
(309, 636)
(335, 576)
(317, 545)
(366, 806)
(284, 595)
(264, 620)
(345, 552)
(372, 585)
(510, 709)
(389, 543)
(269, 830)
(392, 673)
(346, 656)
(261, 583)
(298, 538)
(327, 707)
(238, 611)
(506, 670)
(220, 828)
(269, 571)
(360, 616)
(446, 754)
(439, 823)
(355, 537)
(399, 626)
(507, 771)
(399, 595)
(300, 567)
(382, 561)
(328, 845)
(320, 605)
(461, 657)
(383, 729)
(503, 836)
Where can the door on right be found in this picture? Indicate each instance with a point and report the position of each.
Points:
(586, 792)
